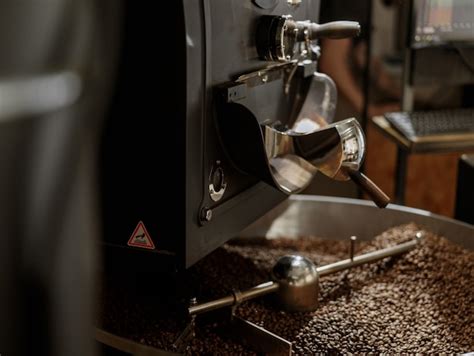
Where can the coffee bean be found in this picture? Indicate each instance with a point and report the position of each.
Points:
(420, 302)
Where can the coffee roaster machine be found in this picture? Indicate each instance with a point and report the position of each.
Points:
(241, 121)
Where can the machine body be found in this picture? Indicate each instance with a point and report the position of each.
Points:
(164, 153)
(246, 121)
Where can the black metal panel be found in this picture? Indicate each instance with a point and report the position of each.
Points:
(143, 146)
(159, 151)
(229, 29)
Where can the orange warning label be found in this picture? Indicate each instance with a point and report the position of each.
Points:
(141, 238)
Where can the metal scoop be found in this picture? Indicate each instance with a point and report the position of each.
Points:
(337, 150)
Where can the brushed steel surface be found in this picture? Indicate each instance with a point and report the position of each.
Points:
(338, 218)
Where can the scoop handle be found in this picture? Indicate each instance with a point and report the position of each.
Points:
(368, 186)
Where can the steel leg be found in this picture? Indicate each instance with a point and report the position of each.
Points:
(400, 175)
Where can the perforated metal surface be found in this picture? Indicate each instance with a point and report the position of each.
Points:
(428, 123)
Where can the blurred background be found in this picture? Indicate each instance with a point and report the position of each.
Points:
(56, 68)
(439, 76)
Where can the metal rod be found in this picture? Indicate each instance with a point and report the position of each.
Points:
(367, 257)
(236, 297)
(401, 175)
(353, 241)
(268, 287)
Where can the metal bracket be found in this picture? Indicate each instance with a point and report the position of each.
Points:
(182, 342)
(258, 338)
(236, 92)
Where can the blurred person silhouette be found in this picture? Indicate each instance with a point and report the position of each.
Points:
(345, 61)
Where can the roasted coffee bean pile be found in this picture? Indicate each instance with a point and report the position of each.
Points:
(420, 302)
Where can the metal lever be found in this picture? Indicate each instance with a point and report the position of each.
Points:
(278, 37)
(334, 30)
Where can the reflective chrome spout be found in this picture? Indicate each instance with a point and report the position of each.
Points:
(295, 156)
(337, 150)
(286, 148)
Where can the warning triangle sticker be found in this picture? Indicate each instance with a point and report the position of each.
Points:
(141, 238)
